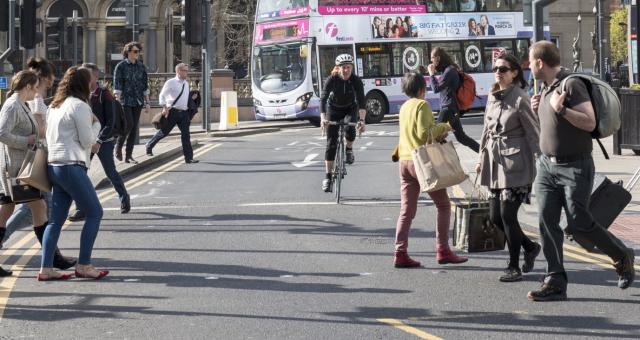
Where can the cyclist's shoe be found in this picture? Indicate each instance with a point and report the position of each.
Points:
(350, 157)
(327, 184)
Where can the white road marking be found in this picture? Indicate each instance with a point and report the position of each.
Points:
(292, 143)
(286, 276)
(210, 278)
(151, 193)
(307, 161)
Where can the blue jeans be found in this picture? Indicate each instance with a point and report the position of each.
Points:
(105, 154)
(71, 183)
(180, 118)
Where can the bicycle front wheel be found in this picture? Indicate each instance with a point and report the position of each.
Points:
(338, 171)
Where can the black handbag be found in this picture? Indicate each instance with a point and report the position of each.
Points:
(22, 193)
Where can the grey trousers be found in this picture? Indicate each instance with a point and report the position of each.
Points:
(568, 185)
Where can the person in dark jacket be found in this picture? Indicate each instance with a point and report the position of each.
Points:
(102, 105)
(447, 87)
(343, 96)
(131, 89)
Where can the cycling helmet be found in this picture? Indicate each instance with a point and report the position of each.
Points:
(344, 59)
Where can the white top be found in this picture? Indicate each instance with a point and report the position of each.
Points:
(170, 92)
(70, 133)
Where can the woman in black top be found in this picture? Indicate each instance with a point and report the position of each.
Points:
(447, 87)
(344, 94)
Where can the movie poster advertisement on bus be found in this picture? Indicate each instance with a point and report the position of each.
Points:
(355, 7)
(282, 9)
(282, 31)
(443, 26)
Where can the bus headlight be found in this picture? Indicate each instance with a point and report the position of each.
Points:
(303, 101)
(256, 102)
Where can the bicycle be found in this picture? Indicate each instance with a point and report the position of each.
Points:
(339, 165)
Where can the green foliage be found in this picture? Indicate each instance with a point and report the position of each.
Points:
(618, 36)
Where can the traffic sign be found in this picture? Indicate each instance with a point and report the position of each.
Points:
(3, 83)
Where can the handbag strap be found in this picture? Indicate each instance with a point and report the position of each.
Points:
(179, 95)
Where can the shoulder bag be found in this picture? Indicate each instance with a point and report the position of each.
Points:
(437, 166)
(33, 171)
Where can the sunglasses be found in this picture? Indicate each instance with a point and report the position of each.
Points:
(501, 69)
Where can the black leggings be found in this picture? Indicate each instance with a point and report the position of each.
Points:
(336, 115)
(504, 214)
(451, 117)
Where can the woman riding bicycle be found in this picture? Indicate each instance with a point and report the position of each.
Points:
(344, 94)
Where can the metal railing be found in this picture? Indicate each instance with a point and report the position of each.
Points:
(157, 80)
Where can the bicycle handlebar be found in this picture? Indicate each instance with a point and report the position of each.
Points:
(341, 123)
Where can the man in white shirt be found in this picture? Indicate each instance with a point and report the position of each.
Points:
(174, 99)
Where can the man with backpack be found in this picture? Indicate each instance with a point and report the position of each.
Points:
(104, 108)
(565, 172)
(448, 87)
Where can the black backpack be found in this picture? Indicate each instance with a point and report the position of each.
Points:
(120, 126)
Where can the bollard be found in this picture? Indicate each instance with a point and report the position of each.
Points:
(228, 109)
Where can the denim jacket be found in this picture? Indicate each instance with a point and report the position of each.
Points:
(131, 82)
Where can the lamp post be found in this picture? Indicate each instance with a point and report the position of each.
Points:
(597, 39)
(577, 48)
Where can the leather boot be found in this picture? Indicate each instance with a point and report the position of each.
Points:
(59, 261)
(445, 255)
(119, 153)
(402, 260)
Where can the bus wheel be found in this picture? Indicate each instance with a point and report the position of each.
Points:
(315, 121)
(376, 107)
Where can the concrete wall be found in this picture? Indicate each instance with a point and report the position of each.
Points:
(245, 113)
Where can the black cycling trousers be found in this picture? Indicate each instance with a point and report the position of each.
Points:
(333, 131)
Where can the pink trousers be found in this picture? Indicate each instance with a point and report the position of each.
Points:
(410, 193)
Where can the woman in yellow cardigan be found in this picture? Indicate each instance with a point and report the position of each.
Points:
(417, 127)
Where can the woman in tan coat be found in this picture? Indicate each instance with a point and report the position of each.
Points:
(507, 147)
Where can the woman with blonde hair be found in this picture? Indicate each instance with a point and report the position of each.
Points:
(18, 132)
(22, 217)
(72, 131)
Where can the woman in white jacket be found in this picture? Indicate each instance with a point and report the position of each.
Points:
(72, 132)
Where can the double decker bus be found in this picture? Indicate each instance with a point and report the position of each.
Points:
(296, 42)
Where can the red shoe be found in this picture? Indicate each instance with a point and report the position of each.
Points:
(402, 260)
(62, 277)
(101, 274)
(447, 256)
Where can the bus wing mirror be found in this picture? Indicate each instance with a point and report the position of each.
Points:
(256, 51)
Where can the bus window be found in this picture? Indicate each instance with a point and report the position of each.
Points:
(266, 7)
(500, 5)
(328, 56)
(376, 60)
(408, 56)
(522, 52)
(438, 6)
(452, 48)
(516, 5)
(279, 68)
(492, 49)
(468, 5)
(472, 57)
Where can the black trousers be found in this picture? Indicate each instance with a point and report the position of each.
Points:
(183, 120)
(568, 186)
(132, 115)
(333, 131)
(447, 115)
(504, 214)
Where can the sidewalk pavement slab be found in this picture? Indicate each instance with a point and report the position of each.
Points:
(626, 226)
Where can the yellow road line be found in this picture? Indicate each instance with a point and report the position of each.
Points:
(7, 283)
(411, 330)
